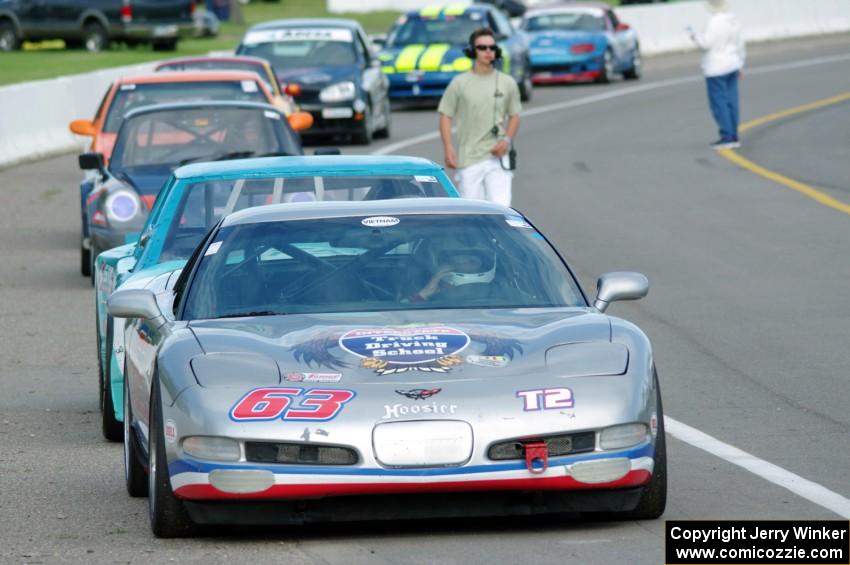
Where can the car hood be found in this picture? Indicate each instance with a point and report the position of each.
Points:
(316, 78)
(442, 57)
(420, 346)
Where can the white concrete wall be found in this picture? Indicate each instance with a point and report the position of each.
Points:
(660, 27)
(34, 116)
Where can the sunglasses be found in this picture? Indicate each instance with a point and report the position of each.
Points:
(485, 47)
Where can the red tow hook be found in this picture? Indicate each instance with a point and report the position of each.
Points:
(536, 457)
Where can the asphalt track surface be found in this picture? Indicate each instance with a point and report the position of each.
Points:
(748, 312)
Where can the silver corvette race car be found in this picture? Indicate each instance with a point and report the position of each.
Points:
(368, 360)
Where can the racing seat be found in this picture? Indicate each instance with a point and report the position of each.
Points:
(388, 189)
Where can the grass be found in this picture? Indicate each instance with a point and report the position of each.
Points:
(49, 59)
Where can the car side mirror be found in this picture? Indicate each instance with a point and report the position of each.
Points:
(300, 120)
(133, 303)
(92, 162)
(379, 39)
(83, 127)
(623, 27)
(612, 287)
(327, 151)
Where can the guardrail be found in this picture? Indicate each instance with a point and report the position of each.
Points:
(34, 116)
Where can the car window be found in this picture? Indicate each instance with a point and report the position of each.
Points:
(219, 65)
(203, 204)
(184, 135)
(418, 30)
(378, 263)
(566, 21)
(501, 24)
(99, 113)
(301, 48)
(130, 96)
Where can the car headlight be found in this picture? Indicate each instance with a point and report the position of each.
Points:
(122, 206)
(338, 92)
(623, 436)
(212, 448)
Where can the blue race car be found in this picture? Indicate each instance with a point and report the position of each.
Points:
(197, 196)
(329, 67)
(580, 43)
(424, 49)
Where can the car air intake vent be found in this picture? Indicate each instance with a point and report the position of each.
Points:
(299, 453)
(565, 444)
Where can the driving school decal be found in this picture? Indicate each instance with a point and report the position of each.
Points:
(398, 350)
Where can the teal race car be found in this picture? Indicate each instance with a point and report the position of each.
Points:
(197, 196)
(424, 50)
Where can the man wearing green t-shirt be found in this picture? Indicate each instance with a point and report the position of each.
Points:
(484, 105)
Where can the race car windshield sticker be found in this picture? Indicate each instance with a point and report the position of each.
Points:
(249, 86)
(397, 350)
(379, 221)
(271, 115)
(128, 87)
(517, 222)
(299, 34)
(425, 178)
(213, 248)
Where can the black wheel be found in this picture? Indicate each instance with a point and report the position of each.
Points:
(168, 517)
(94, 251)
(526, 88)
(637, 66)
(653, 501)
(113, 430)
(95, 37)
(135, 475)
(167, 45)
(85, 260)
(607, 72)
(9, 40)
(363, 136)
(385, 131)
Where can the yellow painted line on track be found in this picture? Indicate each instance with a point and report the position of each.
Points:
(802, 188)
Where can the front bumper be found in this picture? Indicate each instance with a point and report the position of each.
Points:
(415, 86)
(203, 481)
(332, 119)
(552, 69)
(155, 32)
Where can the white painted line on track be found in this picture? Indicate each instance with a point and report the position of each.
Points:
(626, 91)
(805, 488)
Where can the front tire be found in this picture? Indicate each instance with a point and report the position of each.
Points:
(384, 132)
(653, 501)
(9, 40)
(363, 136)
(95, 37)
(135, 476)
(168, 517)
(526, 87)
(113, 430)
(168, 45)
(635, 72)
(607, 72)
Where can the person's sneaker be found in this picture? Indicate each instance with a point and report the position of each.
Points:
(726, 144)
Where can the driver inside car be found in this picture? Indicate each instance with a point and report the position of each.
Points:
(464, 272)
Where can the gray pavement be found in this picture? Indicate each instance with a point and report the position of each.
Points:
(748, 312)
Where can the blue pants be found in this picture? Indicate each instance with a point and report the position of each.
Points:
(723, 100)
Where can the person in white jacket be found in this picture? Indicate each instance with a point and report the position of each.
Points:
(723, 58)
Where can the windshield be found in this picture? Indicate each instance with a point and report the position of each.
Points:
(566, 21)
(204, 203)
(220, 65)
(130, 96)
(416, 30)
(381, 263)
(301, 48)
(170, 138)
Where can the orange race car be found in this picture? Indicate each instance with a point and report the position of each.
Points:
(282, 94)
(128, 93)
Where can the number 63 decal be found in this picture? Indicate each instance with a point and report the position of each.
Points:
(271, 403)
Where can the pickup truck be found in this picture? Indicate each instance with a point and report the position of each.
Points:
(94, 24)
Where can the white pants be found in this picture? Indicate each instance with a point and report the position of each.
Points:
(486, 180)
